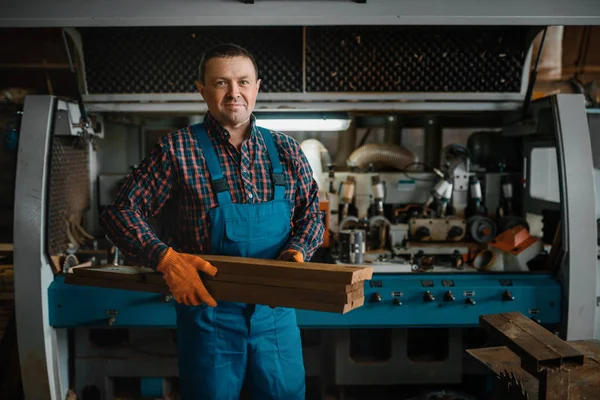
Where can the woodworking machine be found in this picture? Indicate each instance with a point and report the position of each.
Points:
(451, 236)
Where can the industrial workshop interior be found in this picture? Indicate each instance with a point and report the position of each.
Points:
(451, 149)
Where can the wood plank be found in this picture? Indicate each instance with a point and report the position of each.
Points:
(259, 294)
(289, 270)
(6, 248)
(146, 274)
(568, 354)
(241, 292)
(314, 285)
(532, 353)
(258, 280)
(288, 301)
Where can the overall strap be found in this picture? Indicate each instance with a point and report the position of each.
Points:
(218, 181)
(278, 179)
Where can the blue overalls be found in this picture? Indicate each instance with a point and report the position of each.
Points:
(234, 344)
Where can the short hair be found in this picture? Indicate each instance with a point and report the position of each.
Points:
(224, 50)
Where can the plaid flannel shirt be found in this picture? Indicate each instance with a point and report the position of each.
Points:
(175, 179)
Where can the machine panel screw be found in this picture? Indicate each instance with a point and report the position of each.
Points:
(112, 317)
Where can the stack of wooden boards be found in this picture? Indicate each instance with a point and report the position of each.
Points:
(308, 286)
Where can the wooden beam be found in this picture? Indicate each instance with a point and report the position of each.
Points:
(223, 291)
(312, 286)
(536, 346)
(289, 270)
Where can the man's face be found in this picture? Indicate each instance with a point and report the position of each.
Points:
(229, 89)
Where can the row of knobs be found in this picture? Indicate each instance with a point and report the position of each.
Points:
(448, 297)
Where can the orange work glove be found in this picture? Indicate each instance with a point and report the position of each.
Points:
(180, 271)
(291, 255)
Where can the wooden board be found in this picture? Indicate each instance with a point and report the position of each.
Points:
(221, 289)
(258, 280)
(258, 267)
(314, 285)
(260, 294)
(146, 274)
(225, 294)
(536, 346)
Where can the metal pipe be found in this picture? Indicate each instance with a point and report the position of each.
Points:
(392, 130)
(433, 143)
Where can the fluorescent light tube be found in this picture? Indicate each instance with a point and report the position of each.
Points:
(304, 124)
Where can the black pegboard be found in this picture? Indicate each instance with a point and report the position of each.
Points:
(69, 189)
(166, 59)
(416, 59)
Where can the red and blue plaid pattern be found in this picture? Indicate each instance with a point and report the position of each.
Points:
(175, 176)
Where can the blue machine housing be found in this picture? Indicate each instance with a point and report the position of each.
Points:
(391, 300)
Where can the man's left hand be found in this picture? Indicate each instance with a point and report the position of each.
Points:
(291, 255)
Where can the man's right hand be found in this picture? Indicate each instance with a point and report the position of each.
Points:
(180, 271)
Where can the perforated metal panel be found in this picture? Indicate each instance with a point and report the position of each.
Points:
(69, 190)
(165, 60)
(401, 59)
(365, 59)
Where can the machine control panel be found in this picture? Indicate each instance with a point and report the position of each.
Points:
(391, 300)
(398, 300)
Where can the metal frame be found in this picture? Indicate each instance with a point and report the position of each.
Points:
(318, 96)
(29, 13)
(575, 165)
(200, 107)
(43, 350)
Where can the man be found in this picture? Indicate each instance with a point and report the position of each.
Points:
(235, 189)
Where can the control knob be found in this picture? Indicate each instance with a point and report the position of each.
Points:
(428, 296)
(375, 298)
(508, 296)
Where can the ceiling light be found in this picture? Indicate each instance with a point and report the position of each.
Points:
(304, 122)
